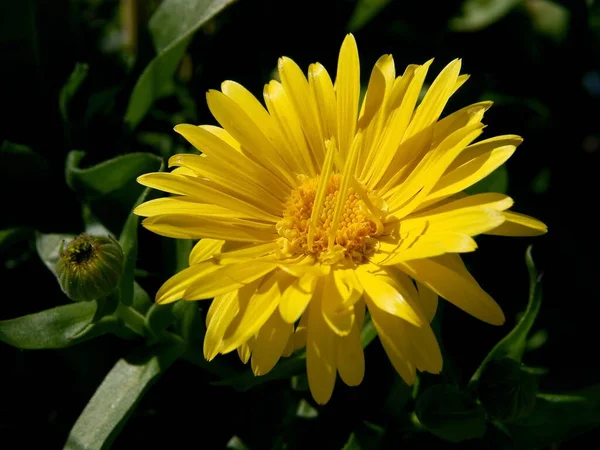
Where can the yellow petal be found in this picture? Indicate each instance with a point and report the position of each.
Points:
(247, 253)
(435, 99)
(221, 178)
(428, 301)
(223, 310)
(204, 250)
(245, 130)
(296, 297)
(457, 120)
(338, 316)
(320, 354)
(186, 206)
(283, 111)
(390, 331)
(218, 144)
(347, 88)
(269, 344)
(424, 349)
(376, 89)
(244, 352)
(226, 279)
(195, 227)
(348, 285)
(517, 224)
(424, 177)
(449, 278)
(321, 88)
(387, 298)
(205, 192)
(487, 159)
(300, 332)
(395, 129)
(261, 306)
(350, 355)
(296, 88)
(174, 288)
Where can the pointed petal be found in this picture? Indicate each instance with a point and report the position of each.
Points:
(223, 310)
(350, 355)
(339, 317)
(517, 224)
(174, 288)
(261, 306)
(347, 87)
(269, 344)
(320, 354)
(387, 298)
(449, 278)
(226, 279)
(296, 297)
(389, 329)
(204, 250)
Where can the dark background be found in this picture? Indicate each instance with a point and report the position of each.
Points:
(544, 80)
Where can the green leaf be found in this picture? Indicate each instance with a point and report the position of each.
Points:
(141, 300)
(497, 181)
(364, 12)
(115, 399)
(128, 240)
(48, 247)
(18, 163)
(11, 236)
(450, 414)
(69, 89)
(172, 27)
(479, 14)
(514, 343)
(506, 391)
(54, 328)
(109, 176)
(557, 418)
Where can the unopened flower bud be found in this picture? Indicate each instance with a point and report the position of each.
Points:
(506, 391)
(90, 267)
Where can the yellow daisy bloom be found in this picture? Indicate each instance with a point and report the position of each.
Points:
(318, 208)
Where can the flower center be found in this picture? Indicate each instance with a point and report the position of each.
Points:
(353, 237)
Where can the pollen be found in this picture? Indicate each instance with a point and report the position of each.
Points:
(354, 237)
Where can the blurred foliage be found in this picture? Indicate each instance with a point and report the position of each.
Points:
(92, 90)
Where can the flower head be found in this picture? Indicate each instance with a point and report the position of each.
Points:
(316, 209)
(89, 267)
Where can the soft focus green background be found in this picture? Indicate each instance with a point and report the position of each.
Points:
(113, 77)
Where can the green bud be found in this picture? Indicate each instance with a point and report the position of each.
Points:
(506, 391)
(90, 267)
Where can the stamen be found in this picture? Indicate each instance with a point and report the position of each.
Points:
(347, 176)
(321, 191)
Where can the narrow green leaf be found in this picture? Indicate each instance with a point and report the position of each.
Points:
(53, 328)
(115, 399)
(479, 14)
(109, 176)
(364, 12)
(172, 27)
(128, 240)
(450, 414)
(514, 343)
(141, 300)
(70, 88)
(557, 418)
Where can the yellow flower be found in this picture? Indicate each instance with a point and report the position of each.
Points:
(315, 209)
